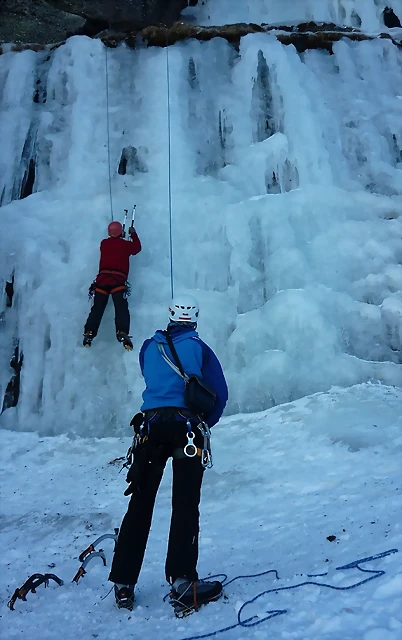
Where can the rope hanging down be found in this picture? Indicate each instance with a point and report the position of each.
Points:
(108, 129)
(169, 166)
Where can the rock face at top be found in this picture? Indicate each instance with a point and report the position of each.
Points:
(129, 14)
(29, 23)
(48, 21)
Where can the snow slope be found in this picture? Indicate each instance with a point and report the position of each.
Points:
(283, 481)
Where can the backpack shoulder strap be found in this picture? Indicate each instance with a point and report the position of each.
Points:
(174, 352)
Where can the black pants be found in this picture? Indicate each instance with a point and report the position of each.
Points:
(122, 314)
(182, 555)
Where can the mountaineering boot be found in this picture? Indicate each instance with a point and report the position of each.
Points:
(187, 595)
(124, 596)
(124, 339)
(88, 337)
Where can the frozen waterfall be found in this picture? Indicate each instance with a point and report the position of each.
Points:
(363, 14)
(287, 212)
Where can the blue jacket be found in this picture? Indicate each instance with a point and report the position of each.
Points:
(164, 387)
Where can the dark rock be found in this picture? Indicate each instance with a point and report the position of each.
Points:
(125, 14)
(390, 18)
(323, 38)
(12, 393)
(24, 21)
(131, 162)
(45, 22)
(304, 36)
(9, 289)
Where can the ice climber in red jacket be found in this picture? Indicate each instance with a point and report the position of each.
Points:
(111, 280)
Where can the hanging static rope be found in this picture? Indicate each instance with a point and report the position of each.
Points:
(108, 128)
(169, 166)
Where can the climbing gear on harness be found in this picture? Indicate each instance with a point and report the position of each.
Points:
(190, 450)
(91, 290)
(136, 456)
(115, 229)
(198, 395)
(206, 454)
(31, 585)
(184, 308)
(187, 596)
(125, 340)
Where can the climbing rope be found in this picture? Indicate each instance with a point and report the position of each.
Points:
(169, 166)
(253, 621)
(108, 128)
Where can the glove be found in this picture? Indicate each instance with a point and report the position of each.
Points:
(131, 231)
(137, 421)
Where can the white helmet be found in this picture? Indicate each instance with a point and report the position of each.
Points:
(184, 308)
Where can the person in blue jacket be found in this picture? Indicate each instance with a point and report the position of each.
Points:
(162, 432)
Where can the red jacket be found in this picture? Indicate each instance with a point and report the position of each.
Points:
(114, 261)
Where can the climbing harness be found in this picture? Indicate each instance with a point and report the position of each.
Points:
(141, 424)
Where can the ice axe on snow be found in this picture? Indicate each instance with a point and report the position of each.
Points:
(125, 219)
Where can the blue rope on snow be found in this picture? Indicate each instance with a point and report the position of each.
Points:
(248, 622)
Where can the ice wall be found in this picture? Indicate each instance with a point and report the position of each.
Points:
(287, 210)
(364, 14)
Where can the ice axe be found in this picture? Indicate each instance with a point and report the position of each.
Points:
(125, 219)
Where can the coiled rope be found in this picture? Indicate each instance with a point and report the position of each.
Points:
(253, 621)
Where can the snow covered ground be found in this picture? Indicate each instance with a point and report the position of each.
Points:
(284, 481)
